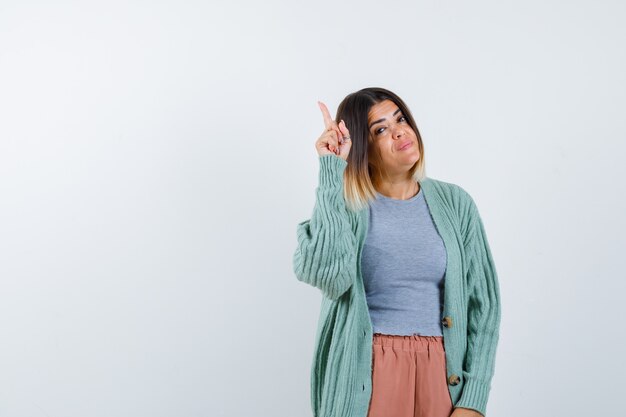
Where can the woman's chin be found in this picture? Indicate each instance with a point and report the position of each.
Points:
(411, 158)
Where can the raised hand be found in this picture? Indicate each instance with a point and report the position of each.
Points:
(335, 138)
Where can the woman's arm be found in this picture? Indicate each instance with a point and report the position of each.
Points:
(483, 317)
(327, 247)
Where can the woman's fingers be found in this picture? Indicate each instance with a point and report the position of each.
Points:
(333, 140)
(329, 123)
(333, 136)
(328, 120)
(327, 142)
(330, 126)
(344, 130)
(346, 144)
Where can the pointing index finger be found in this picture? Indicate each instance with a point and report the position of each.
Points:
(328, 120)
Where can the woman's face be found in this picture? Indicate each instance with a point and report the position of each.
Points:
(392, 136)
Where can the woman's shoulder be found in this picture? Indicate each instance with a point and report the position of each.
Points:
(454, 198)
(449, 191)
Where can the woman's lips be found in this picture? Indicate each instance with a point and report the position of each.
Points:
(405, 146)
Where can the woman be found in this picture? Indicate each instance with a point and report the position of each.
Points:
(410, 314)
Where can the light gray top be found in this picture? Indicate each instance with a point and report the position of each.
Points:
(404, 265)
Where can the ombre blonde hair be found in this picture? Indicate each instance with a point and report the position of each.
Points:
(364, 168)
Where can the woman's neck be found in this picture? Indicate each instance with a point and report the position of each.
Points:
(401, 190)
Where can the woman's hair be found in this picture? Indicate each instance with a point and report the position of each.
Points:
(364, 168)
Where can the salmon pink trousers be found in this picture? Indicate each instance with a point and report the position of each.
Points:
(409, 377)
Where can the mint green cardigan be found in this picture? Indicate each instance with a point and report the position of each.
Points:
(328, 257)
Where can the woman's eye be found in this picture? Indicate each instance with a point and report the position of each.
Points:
(379, 131)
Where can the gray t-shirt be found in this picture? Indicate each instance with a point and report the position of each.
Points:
(404, 265)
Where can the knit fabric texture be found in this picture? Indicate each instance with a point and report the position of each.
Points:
(328, 254)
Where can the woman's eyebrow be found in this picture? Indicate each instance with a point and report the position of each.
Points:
(380, 120)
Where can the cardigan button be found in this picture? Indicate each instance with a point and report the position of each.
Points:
(447, 321)
(454, 379)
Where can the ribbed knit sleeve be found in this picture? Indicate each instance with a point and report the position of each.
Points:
(483, 318)
(327, 247)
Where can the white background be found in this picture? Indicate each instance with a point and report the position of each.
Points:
(155, 158)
